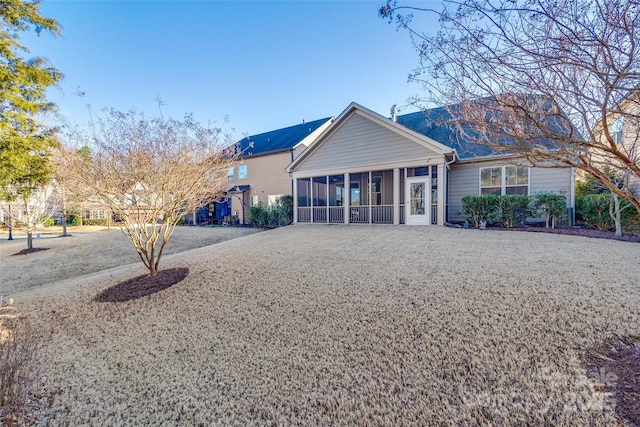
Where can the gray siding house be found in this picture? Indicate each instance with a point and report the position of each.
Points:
(366, 168)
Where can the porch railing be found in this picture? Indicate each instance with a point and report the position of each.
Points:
(304, 214)
(359, 214)
(434, 214)
(336, 214)
(320, 214)
(382, 214)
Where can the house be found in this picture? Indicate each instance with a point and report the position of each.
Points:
(366, 168)
(259, 176)
(624, 132)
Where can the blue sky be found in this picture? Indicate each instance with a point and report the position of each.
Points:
(265, 65)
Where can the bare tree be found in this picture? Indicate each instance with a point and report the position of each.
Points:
(149, 172)
(554, 80)
(35, 207)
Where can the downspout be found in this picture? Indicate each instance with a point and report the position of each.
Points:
(447, 169)
(292, 159)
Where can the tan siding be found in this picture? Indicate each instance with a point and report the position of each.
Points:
(546, 180)
(361, 142)
(464, 180)
(266, 176)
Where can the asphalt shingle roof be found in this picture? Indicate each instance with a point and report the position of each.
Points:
(277, 140)
(437, 124)
(429, 123)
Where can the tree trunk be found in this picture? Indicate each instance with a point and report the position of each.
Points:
(64, 220)
(614, 211)
(29, 224)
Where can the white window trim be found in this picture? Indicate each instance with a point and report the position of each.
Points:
(503, 179)
(246, 172)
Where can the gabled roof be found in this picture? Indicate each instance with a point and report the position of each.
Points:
(355, 108)
(277, 140)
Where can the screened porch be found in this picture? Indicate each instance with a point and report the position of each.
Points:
(372, 197)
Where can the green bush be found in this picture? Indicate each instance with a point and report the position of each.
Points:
(513, 209)
(592, 211)
(278, 215)
(480, 208)
(552, 206)
(258, 216)
(102, 221)
(49, 222)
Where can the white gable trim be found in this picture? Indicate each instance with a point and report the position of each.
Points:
(376, 118)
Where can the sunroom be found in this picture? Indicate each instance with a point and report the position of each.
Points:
(368, 169)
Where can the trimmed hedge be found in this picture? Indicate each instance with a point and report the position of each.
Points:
(511, 210)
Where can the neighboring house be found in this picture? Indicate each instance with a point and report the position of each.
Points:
(624, 129)
(259, 177)
(366, 168)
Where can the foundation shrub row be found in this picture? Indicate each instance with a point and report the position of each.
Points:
(513, 210)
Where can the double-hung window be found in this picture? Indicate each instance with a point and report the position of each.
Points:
(504, 180)
(242, 172)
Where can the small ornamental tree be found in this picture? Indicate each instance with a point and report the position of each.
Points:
(552, 206)
(149, 173)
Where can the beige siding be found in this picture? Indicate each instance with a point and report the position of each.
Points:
(266, 176)
(464, 180)
(361, 142)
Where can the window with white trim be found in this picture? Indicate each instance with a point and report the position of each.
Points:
(230, 174)
(615, 130)
(504, 180)
(97, 215)
(242, 172)
(253, 201)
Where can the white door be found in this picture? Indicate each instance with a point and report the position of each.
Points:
(417, 200)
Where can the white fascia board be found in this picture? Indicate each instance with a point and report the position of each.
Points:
(355, 108)
(413, 163)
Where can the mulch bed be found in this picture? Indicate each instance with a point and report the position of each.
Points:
(597, 234)
(30, 251)
(615, 370)
(142, 286)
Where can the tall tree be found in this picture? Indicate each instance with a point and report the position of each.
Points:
(519, 72)
(149, 173)
(25, 143)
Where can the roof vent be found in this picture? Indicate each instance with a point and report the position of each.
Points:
(394, 113)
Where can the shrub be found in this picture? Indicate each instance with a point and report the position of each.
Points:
(513, 209)
(258, 216)
(552, 206)
(593, 211)
(278, 215)
(18, 345)
(480, 208)
(101, 221)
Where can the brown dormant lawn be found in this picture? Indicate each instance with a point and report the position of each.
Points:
(344, 325)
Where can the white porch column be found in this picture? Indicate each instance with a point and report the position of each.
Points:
(327, 197)
(295, 200)
(396, 196)
(347, 198)
(441, 190)
(311, 197)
